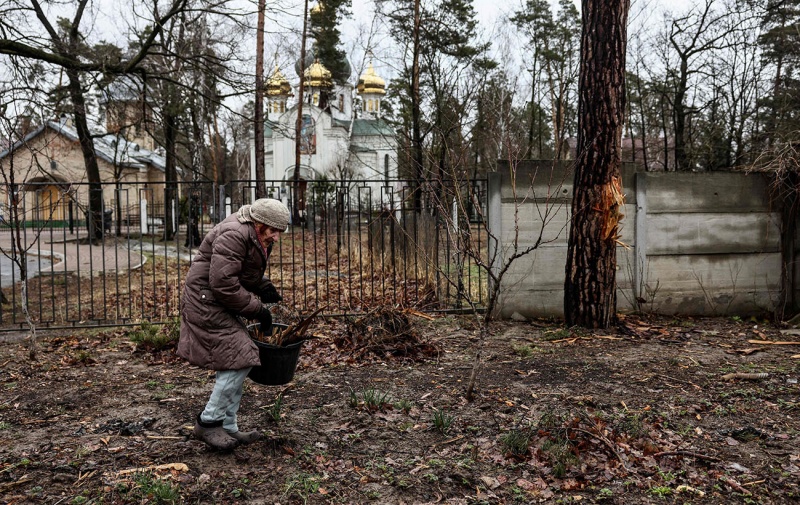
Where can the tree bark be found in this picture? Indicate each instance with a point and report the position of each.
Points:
(679, 111)
(258, 115)
(416, 131)
(170, 170)
(95, 214)
(298, 127)
(590, 285)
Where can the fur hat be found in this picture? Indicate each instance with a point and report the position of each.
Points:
(270, 212)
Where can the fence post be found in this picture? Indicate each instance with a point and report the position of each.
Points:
(221, 206)
(143, 215)
(174, 223)
(640, 236)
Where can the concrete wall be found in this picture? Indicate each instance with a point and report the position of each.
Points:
(694, 243)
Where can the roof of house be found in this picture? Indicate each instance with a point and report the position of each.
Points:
(112, 148)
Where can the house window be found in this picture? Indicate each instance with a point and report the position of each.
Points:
(341, 102)
(386, 167)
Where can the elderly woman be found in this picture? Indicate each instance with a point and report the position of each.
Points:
(225, 286)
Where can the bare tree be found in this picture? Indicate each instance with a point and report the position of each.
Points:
(258, 112)
(64, 46)
(693, 36)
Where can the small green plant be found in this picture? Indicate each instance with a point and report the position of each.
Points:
(605, 494)
(302, 486)
(633, 425)
(516, 442)
(82, 357)
(404, 406)
(660, 491)
(666, 476)
(5, 425)
(154, 490)
(436, 462)
(442, 420)
(559, 452)
(353, 399)
(274, 410)
(556, 334)
(155, 337)
(375, 399)
(523, 350)
(549, 420)
(431, 477)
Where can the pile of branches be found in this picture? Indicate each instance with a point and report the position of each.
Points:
(385, 332)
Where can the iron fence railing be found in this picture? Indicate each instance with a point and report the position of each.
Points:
(352, 246)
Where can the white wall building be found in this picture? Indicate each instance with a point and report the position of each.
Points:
(344, 137)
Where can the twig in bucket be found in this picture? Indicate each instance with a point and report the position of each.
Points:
(291, 334)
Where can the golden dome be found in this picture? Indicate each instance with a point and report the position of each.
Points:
(277, 84)
(370, 83)
(317, 76)
(317, 8)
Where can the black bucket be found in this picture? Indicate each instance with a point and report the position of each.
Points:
(278, 363)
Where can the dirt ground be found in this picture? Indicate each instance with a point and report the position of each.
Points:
(644, 413)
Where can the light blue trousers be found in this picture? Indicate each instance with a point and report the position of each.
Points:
(224, 402)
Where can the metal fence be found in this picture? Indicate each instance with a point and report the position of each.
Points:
(352, 246)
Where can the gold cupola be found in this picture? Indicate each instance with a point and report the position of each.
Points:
(278, 84)
(317, 8)
(370, 83)
(317, 76)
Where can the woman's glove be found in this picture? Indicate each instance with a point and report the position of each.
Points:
(267, 293)
(265, 318)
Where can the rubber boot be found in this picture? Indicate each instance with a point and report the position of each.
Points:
(214, 435)
(245, 437)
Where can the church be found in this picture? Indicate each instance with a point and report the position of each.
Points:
(343, 136)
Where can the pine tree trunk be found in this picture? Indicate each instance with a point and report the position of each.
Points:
(416, 115)
(590, 285)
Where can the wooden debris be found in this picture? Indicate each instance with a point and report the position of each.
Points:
(178, 467)
(770, 342)
(735, 485)
(419, 314)
(690, 454)
(745, 376)
(5, 486)
(385, 331)
(748, 351)
(291, 334)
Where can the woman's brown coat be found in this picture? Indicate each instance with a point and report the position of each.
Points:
(228, 267)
